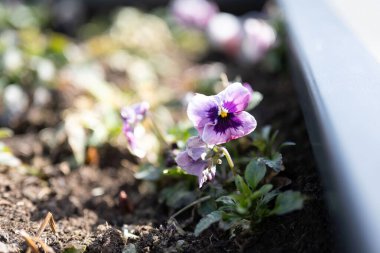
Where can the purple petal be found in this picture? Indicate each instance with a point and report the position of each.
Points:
(189, 165)
(141, 109)
(212, 136)
(135, 113)
(235, 98)
(195, 147)
(199, 110)
(128, 115)
(249, 88)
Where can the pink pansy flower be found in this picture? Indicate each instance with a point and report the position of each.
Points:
(132, 116)
(191, 160)
(193, 13)
(259, 38)
(221, 118)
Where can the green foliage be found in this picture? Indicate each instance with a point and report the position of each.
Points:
(252, 202)
(254, 172)
(287, 202)
(207, 221)
(266, 143)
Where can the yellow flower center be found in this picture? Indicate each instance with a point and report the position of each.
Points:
(223, 112)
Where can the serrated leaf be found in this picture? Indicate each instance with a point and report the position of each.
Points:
(242, 186)
(207, 221)
(254, 172)
(275, 163)
(287, 202)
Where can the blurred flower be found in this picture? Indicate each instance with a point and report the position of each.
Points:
(13, 60)
(225, 33)
(259, 38)
(193, 13)
(45, 70)
(132, 116)
(16, 100)
(221, 118)
(191, 160)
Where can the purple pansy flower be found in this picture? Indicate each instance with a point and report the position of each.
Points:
(222, 118)
(191, 160)
(132, 116)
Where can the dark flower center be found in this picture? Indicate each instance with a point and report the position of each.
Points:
(224, 121)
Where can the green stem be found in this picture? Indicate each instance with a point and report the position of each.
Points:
(229, 160)
(190, 205)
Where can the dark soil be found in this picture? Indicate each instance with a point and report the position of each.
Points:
(86, 205)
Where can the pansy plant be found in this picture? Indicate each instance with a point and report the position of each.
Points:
(219, 119)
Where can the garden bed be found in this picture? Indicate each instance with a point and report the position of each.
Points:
(90, 186)
(94, 219)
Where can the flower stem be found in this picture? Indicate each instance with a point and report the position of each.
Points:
(190, 205)
(229, 160)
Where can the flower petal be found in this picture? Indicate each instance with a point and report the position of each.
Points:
(246, 126)
(235, 98)
(199, 110)
(195, 147)
(189, 165)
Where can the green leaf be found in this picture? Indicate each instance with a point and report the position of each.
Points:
(269, 196)
(227, 200)
(275, 163)
(207, 207)
(265, 189)
(242, 186)
(254, 172)
(174, 172)
(287, 202)
(265, 132)
(207, 221)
